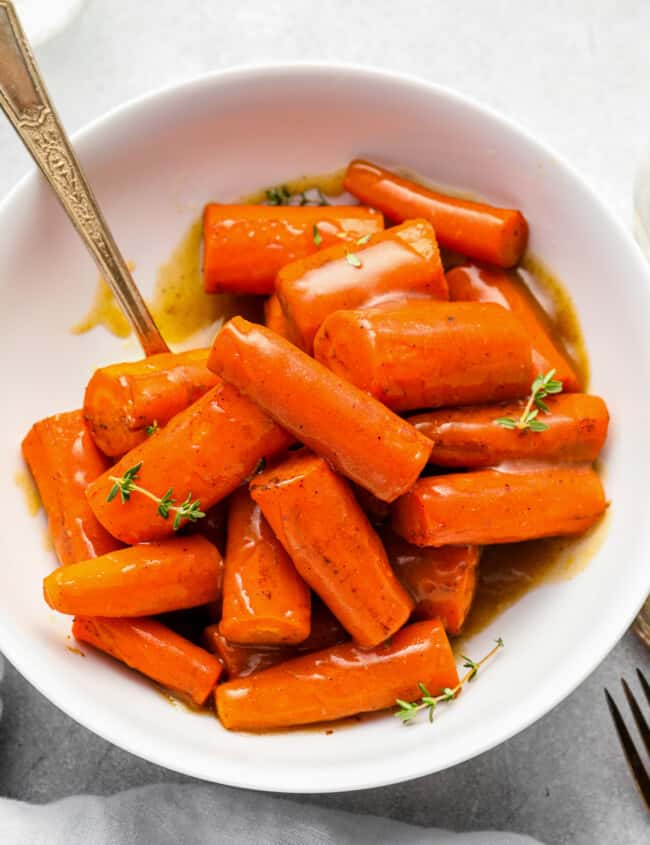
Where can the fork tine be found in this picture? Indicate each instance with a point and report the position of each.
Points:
(634, 761)
(639, 718)
(644, 684)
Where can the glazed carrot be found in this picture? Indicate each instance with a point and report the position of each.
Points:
(156, 651)
(240, 661)
(470, 437)
(140, 580)
(442, 581)
(315, 516)
(206, 452)
(496, 235)
(244, 246)
(264, 599)
(340, 681)
(488, 284)
(494, 506)
(401, 262)
(358, 436)
(275, 320)
(123, 400)
(63, 460)
(427, 354)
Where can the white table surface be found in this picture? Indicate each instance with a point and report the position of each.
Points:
(577, 75)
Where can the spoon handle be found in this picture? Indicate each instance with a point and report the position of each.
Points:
(24, 100)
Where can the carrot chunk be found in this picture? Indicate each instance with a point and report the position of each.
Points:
(340, 681)
(442, 581)
(315, 516)
(154, 650)
(204, 452)
(488, 284)
(123, 401)
(428, 354)
(469, 437)
(264, 599)
(244, 246)
(360, 437)
(141, 580)
(399, 263)
(481, 231)
(63, 459)
(493, 506)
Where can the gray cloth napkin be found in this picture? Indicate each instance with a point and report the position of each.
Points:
(203, 814)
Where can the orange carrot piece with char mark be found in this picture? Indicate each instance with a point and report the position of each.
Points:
(495, 506)
(207, 451)
(63, 460)
(428, 354)
(340, 681)
(244, 246)
(264, 598)
(123, 400)
(442, 581)
(315, 516)
(489, 284)
(470, 437)
(141, 580)
(481, 231)
(360, 437)
(401, 262)
(240, 660)
(275, 320)
(154, 650)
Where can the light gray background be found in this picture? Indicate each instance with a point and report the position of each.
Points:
(576, 74)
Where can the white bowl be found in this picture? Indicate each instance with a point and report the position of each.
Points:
(154, 163)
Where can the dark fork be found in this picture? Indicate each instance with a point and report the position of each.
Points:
(639, 772)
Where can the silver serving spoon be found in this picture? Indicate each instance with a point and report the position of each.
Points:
(25, 102)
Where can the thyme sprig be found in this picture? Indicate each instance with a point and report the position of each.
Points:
(543, 386)
(281, 195)
(189, 509)
(408, 710)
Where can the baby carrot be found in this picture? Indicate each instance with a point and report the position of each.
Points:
(141, 580)
(489, 284)
(240, 661)
(204, 453)
(442, 581)
(469, 437)
(340, 681)
(275, 320)
(494, 506)
(496, 235)
(264, 599)
(360, 437)
(63, 460)
(401, 262)
(244, 246)
(124, 403)
(156, 651)
(315, 516)
(426, 354)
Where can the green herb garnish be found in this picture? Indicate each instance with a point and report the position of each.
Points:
(189, 509)
(408, 710)
(543, 386)
(316, 235)
(353, 259)
(278, 196)
(152, 429)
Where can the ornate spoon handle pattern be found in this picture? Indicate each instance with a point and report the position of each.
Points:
(25, 102)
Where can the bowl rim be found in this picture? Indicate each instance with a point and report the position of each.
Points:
(11, 645)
